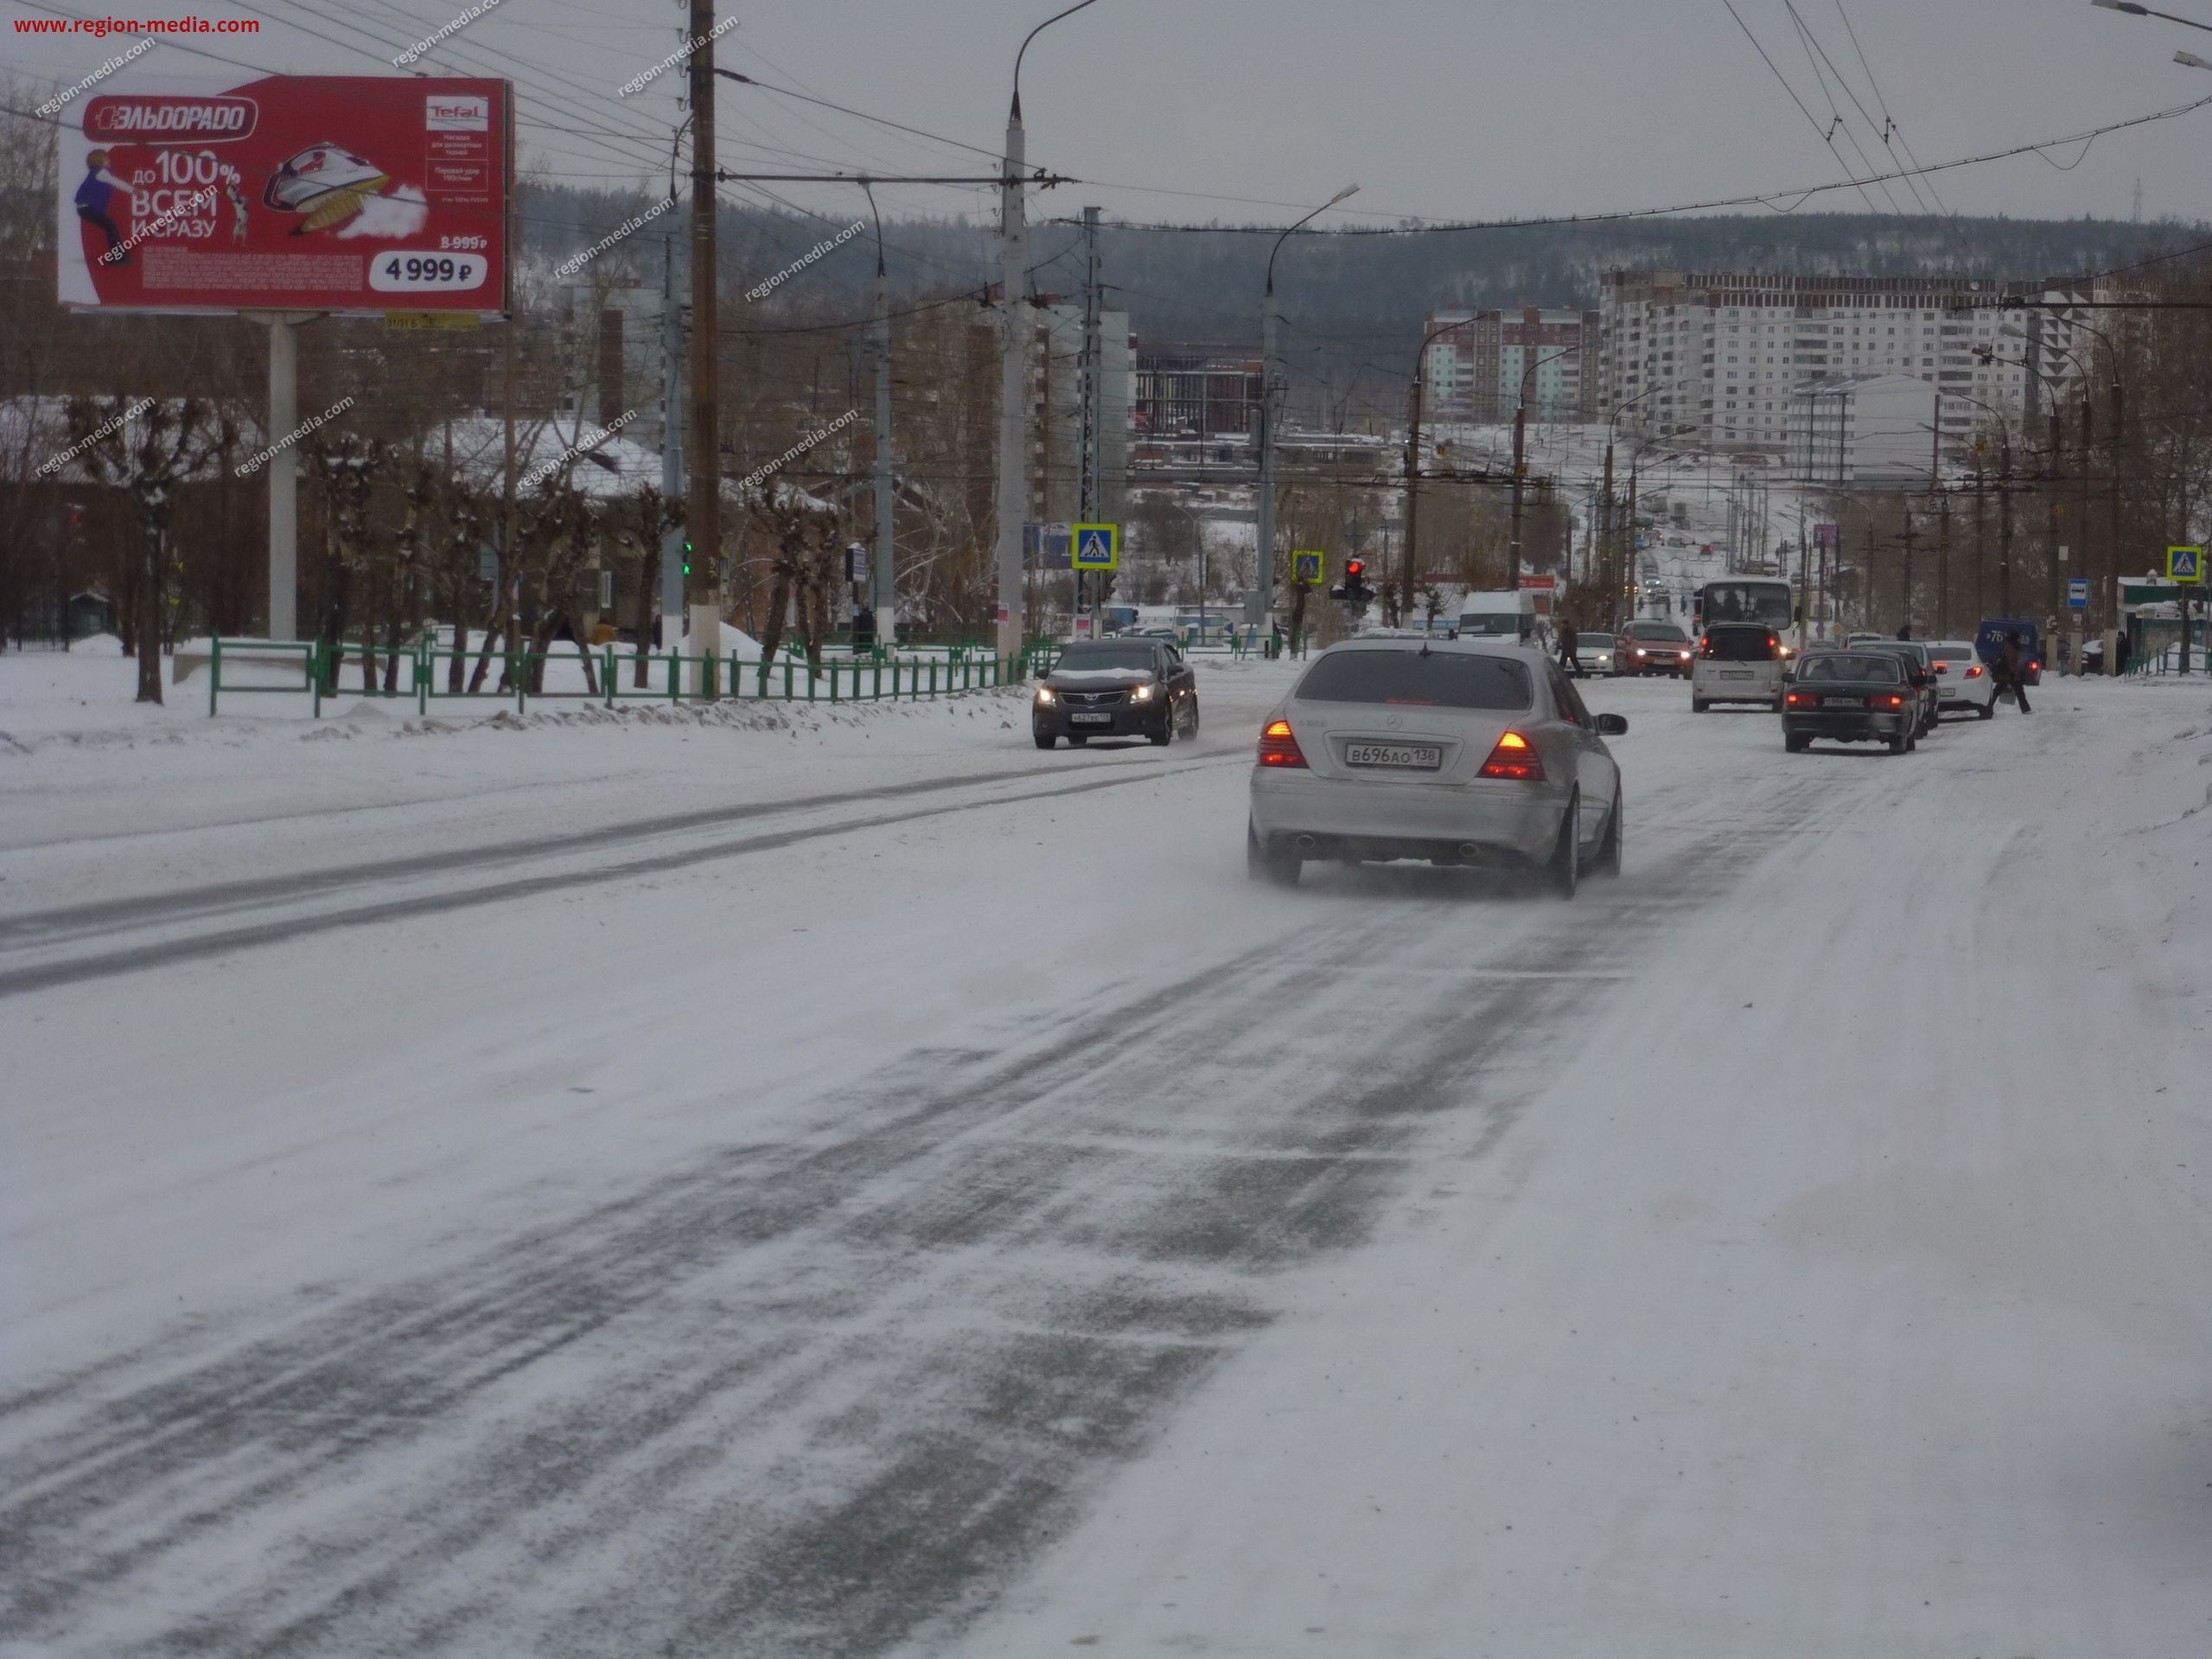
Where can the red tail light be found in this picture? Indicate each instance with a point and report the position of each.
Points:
(1515, 758)
(1974, 673)
(2034, 668)
(1897, 702)
(1794, 699)
(1279, 745)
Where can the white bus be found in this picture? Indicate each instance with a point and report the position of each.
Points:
(1750, 599)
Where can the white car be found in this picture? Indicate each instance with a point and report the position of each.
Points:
(1962, 684)
(1594, 653)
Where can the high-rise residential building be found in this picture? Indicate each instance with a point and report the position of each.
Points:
(1713, 357)
(1478, 361)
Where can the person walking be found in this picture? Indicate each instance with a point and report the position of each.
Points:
(1567, 646)
(2013, 672)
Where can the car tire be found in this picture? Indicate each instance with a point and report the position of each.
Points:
(1698, 705)
(1277, 865)
(1045, 739)
(1988, 711)
(1608, 861)
(1563, 874)
(1897, 742)
(1165, 735)
(1796, 743)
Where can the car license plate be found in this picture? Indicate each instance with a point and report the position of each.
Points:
(1736, 673)
(1090, 719)
(1415, 758)
(1843, 702)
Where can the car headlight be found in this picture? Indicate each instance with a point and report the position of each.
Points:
(1045, 697)
(1142, 693)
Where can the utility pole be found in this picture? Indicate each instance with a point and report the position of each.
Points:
(1013, 386)
(1412, 491)
(885, 596)
(1520, 437)
(1604, 575)
(1264, 567)
(1943, 572)
(672, 442)
(2004, 526)
(704, 506)
(1981, 536)
(1909, 538)
(1088, 385)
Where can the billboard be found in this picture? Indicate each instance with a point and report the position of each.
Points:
(290, 193)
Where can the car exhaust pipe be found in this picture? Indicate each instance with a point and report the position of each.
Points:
(1308, 847)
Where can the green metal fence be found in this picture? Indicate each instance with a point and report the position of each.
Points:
(672, 677)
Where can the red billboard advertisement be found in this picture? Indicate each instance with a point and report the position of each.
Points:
(291, 193)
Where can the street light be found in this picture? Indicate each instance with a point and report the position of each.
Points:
(1013, 458)
(2134, 11)
(2190, 60)
(1265, 526)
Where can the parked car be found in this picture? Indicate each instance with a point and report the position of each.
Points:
(1594, 653)
(1850, 697)
(1962, 682)
(1737, 662)
(1653, 648)
(1130, 686)
(1989, 645)
(1920, 674)
(1455, 753)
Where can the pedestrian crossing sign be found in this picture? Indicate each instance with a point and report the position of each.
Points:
(2184, 565)
(1098, 546)
(1305, 569)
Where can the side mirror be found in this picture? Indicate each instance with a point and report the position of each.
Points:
(1612, 726)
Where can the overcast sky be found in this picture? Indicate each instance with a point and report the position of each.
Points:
(1438, 110)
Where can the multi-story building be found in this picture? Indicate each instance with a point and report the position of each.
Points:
(1715, 356)
(1478, 361)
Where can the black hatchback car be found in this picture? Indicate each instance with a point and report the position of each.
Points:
(1125, 687)
(1852, 697)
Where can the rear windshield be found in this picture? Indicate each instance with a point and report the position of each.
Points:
(1491, 624)
(1655, 631)
(1439, 679)
(1086, 659)
(1949, 652)
(1594, 641)
(1739, 645)
(1857, 670)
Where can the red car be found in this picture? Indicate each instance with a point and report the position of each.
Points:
(1652, 648)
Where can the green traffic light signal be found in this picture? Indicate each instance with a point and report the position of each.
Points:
(687, 556)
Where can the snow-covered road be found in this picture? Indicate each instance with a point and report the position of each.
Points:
(870, 1186)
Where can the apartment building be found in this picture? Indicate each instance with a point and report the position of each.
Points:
(1477, 363)
(1715, 357)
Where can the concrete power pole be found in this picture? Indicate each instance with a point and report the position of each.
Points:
(1013, 387)
(1519, 439)
(1090, 385)
(885, 586)
(1263, 564)
(1413, 494)
(672, 439)
(703, 510)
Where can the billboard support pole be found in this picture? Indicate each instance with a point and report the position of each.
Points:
(283, 480)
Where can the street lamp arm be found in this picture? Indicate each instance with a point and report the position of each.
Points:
(1016, 108)
(2134, 11)
(1349, 189)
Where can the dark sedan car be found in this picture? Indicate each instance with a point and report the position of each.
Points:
(1128, 688)
(1850, 697)
(1920, 672)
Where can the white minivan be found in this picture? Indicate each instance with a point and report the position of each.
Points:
(1737, 662)
(1498, 616)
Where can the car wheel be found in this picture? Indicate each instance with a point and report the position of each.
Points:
(1608, 854)
(1796, 743)
(1698, 705)
(1045, 739)
(1190, 729)
(1898, 741)
(1564, 873)
(1165, 735)
(1277, 865)
(1987, 711)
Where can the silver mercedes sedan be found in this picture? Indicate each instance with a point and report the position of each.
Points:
(1452, 752)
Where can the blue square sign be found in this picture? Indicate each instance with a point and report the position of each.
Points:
(2078, 595)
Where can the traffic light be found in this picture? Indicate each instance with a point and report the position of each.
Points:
(687, 555)
(1354, 590)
